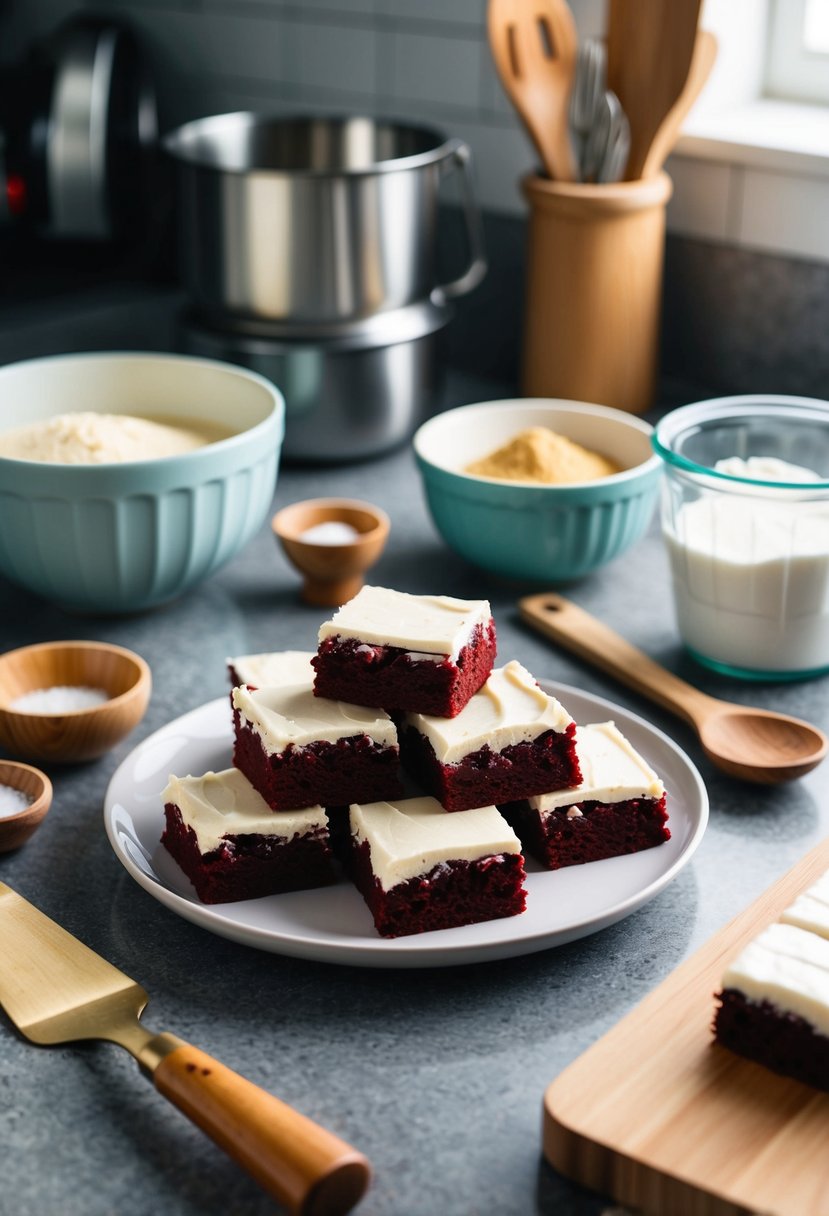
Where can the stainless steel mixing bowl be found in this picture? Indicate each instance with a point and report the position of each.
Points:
(315, 219)
(353, 389)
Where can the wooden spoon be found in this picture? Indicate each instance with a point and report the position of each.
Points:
(649, 52)
(533, 43)
(751, 744)
(705, 53)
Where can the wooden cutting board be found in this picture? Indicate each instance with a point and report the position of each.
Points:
(661, 1118)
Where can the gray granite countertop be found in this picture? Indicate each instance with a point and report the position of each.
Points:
(437, 1075)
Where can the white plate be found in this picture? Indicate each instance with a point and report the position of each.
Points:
(332, 924)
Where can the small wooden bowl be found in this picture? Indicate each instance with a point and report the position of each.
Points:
(80, 734)
(332, 574)
(15, 830)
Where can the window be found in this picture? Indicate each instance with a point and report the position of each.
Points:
(816, 27)
(798, 53)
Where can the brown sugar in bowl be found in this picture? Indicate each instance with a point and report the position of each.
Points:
(72, 735)
(15, 830)
(333, 573)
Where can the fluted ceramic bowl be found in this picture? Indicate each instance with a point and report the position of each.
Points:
(537, 533)
(119, 537)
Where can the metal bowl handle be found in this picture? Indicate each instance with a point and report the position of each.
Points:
(460, 157)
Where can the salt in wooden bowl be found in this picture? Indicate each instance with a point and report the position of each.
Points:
(332, 572)
(17, 827)
(78, 734)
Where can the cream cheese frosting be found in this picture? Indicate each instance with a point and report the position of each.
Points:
(222, 804)
(412, 836)
(789, 967)
(510, 708)
(612, 771)
(276, 667)
(433, 627)
(811, 909)
(292, 714)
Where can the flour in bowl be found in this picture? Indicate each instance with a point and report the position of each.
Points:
(91, 438)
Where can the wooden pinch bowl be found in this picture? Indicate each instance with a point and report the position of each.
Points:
(15, 830)
(72, 735)
(334, 573)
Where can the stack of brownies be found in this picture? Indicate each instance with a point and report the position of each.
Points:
(319, 742)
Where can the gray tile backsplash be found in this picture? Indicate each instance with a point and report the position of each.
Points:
(436, 71)
(746, 322)
(367, 7)
(428, 61)
(257, 47)
(466, 12)
(337, 57)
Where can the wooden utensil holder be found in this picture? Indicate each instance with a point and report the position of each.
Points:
(594, 290)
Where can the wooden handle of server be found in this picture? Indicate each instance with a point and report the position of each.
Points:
(579, 632)
(309, 1170)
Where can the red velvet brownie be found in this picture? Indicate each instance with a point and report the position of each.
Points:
(420, 869)
(298, 749)
(510, 741)
(774, 1003)
(232, 846)
(271, 668)
(618, 808)
(418, 653)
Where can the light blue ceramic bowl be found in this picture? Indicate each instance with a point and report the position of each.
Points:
(119, 537)
(539, 533)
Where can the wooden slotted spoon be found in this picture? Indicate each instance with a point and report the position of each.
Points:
(751, 744)
(649, 52)
(533, 43)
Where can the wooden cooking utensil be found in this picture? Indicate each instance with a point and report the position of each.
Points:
(533, 43)
(702, 61)
(649, 52)
(751, 744)
(57, 990)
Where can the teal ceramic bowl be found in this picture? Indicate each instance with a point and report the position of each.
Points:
(537, 533)
(120, 537)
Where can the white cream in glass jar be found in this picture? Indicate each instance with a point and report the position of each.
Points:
(745, 516)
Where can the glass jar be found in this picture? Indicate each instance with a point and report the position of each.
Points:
(747, 535)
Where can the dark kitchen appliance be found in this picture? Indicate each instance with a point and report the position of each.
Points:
(78, 136)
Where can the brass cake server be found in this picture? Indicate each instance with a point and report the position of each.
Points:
(56, 990)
